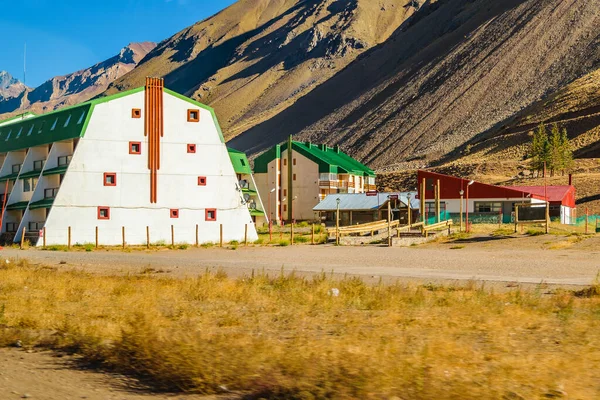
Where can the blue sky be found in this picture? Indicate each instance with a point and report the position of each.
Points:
(64, 36)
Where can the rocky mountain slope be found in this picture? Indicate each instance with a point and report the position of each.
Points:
(10, 87)
(576, 107)
(454, 70)
(76, 87)
(254, 59)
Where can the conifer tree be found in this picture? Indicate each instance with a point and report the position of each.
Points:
(555, 162)
(566, 151)
(540, 136)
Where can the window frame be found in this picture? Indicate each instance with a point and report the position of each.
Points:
(110, 174)
(36, 162)
(68, 158)
(190, 117)
(103, 208)
(207, 212)
(494, 206)
(139, 151)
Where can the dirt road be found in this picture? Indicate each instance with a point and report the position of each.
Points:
(45, 376)
(523, 260)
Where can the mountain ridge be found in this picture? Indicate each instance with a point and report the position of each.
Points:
(257, 57)
(78, 86)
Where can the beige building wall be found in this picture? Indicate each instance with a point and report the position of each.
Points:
(305, 187)
(265, 182)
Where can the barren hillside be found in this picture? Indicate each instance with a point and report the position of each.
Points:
(458, 68)
(256, 58)
(575, 107)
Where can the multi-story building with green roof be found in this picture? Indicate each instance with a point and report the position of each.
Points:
(147, 160)
(311, 173)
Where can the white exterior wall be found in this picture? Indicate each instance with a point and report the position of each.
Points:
(105, 148)
(453, 205)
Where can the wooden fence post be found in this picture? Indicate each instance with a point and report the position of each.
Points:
(44, 233)
(172, 236)
(516, 218)
(246, 235)
(23, 237)
(312, 238)
(221, 236)
(147, 237)
(196, 235)
(123, 235)
(69, 242)
(96, 237)
(292, 234)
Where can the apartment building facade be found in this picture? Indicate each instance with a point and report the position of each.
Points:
(293, 183)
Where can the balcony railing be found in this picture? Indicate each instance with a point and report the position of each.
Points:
(50, 193)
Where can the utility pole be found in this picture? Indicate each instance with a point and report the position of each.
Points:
(290, 194)
(547, 202)
(389, 222)
(25, 65)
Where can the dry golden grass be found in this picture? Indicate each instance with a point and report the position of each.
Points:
(288, 337)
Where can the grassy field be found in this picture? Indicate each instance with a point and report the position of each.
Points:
(287, 337)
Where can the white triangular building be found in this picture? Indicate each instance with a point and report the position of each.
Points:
(145, 160)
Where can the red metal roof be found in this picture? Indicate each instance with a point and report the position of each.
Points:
(450, 187)
(556, 194)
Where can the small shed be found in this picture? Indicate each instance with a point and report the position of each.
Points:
(361, 208)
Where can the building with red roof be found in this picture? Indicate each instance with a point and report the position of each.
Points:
(490, 202)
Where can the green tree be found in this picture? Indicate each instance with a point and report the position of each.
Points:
(555, 162)
(539, 153)
(546, 155)
(566, 151)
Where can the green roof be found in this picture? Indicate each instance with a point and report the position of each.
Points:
(330, 160)
(239, 161)
(21, 205)
(46, 203)
(67, 123)
(16, 118)
(261, 163)
(55, 171)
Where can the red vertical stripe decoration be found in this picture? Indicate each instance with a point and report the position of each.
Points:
(154, 129)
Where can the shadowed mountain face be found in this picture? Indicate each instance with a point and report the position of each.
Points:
(456, 69)
(256, 58)
(78, 86)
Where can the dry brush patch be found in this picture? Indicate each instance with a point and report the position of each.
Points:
(294, 338)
